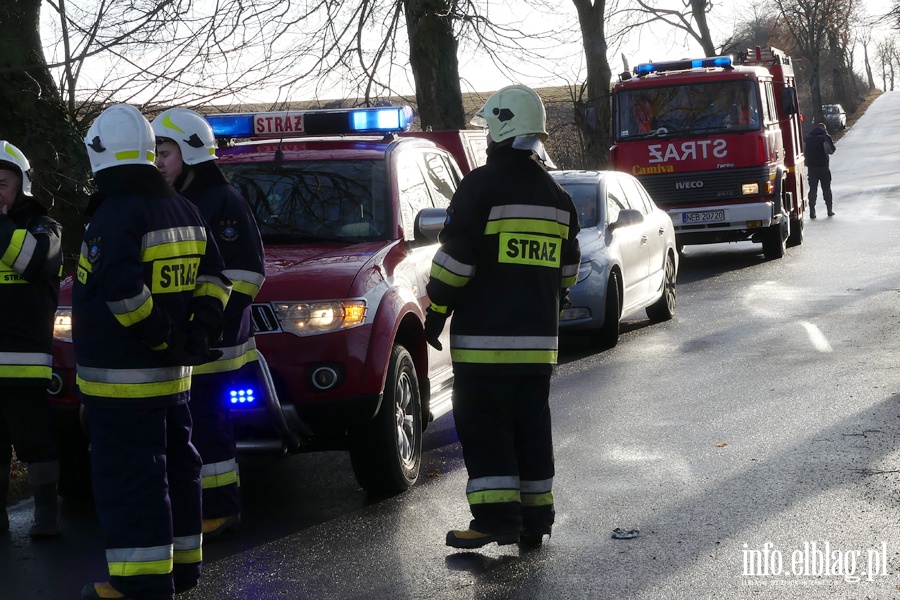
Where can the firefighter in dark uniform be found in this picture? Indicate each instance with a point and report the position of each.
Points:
(148, 300)
(186, 155)
(508, 254)
(30, 264)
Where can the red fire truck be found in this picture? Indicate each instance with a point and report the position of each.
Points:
(718, 145)
(349, 211)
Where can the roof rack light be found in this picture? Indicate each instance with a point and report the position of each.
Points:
(377, 120)
(683, 65)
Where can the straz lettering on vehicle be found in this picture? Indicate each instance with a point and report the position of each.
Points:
(519, 248)
(690, 150)
(176, 275)
(274, 123)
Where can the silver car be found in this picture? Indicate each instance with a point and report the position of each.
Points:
(834, 116)
(629, 260)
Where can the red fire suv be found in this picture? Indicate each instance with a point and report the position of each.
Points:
(349, 212)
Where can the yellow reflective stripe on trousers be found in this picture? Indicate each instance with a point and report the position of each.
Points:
(545, 499)
(26, 365)
(127, 562)
(493, 496)
(133, 383)
(188, 549)
(219, 474)
(503, 349)
(233, 358)
(503, 356)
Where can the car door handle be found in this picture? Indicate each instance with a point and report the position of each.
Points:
(662, 231)
(643, 239)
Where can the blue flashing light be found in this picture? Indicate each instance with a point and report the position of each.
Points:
(381, 119)
(231, 126)
(681, 65)
(242, 396)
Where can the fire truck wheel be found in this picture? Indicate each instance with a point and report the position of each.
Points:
(387, 453)
(608, 335)
(664, 308)
(774, 244)
(796, 237)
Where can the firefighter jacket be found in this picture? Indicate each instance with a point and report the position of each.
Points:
(234, 228)
(508, 252)
(30, 268)
(148, 265)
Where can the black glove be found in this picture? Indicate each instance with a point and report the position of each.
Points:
(178, 352)
(434, 325)
(197, 343)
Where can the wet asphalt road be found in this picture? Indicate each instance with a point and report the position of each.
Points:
(761, 423)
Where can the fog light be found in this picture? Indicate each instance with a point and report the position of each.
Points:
(241, 396)
(754, 224)
(56, 384)
(324, 378)
(574, 314)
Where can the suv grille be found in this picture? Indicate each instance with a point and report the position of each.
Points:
(264, 320)
(684, 189)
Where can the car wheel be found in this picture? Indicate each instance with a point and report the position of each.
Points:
(664, 308)
(796, 237)
(387, 453)
(774, 244)
(608, 335)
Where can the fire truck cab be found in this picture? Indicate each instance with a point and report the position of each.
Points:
(718, 145)
(349, 212)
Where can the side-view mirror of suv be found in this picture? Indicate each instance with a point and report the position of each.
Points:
(627, 217)
(429, 224)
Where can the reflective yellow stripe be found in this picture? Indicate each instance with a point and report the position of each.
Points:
(174, 250)
(137, 315)
(210, 289)
(186, 557)
(133, 390)
(545, 499)
(84, 263)
(245, 282)
(20, 372)
(569, 281)
(128, 569)
(219, 480)
(527, 226)
(503, 356)
(448, 277)
(438, 308)
(168, 124)
(225, 364)
(245, 287)
(493, 496)
(15, 246)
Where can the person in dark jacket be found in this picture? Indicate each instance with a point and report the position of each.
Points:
(508, 254)
(30, 266)
(186, 155)
(819, 147)
(147, 303)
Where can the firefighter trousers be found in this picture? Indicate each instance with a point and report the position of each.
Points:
(213, 436)
(146, 476)
(25, 424)
(503, 424)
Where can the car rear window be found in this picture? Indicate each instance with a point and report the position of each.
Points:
(297, 201)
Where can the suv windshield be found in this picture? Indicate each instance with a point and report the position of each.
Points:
(678, 110)
(336, 201)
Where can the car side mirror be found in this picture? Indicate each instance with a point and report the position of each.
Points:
(429, 224)
(627, 217)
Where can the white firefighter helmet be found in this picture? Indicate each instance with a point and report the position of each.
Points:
(12, 155)
(190, 131)
(120, 136)
(513, 111)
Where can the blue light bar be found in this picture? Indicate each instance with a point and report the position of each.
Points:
(381, 119)
(242, 396)
(347, 121)
(231, 126)
(682, 65)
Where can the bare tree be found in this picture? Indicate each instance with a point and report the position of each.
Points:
(690, 18)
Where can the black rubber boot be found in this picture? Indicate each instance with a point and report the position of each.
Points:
(43, 478)
(469, 539)
(4, 497)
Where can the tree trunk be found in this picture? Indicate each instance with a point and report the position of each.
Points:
(698, 10)
(593, 114)
(34, 118)
(435, 66)
(869, 77)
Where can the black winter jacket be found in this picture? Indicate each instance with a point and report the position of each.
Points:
(508, 251)
(816, 142)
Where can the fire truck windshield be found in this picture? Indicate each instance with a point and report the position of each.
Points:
(331, 201)
(701, 108)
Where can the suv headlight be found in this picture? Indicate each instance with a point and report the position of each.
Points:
(62, 324)
(312, 318)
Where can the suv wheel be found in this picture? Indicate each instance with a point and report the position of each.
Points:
(386, 454)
